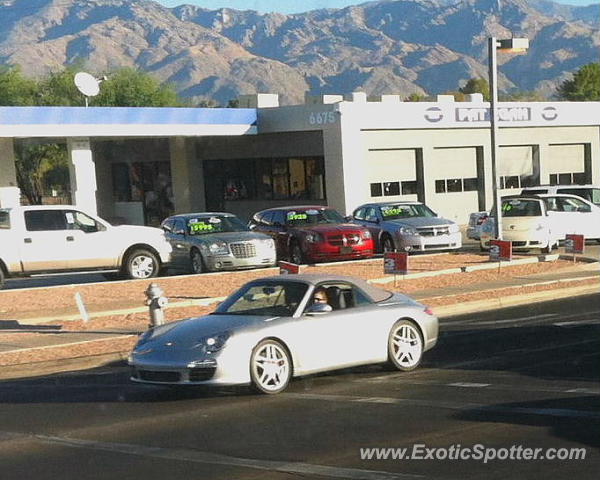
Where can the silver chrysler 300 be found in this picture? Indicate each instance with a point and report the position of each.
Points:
(407, 226)
(216, 241)
(275, 328)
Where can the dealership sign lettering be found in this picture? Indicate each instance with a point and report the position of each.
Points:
(505, 114)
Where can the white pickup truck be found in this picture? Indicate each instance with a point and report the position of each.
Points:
(62, 238)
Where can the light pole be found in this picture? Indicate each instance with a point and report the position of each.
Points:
(513, 45)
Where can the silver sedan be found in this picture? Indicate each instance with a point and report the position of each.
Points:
(215, 241)
(276, 328)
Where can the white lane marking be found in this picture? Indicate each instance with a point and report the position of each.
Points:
(195, 456)
(585, 321)
(592, 391)
(469, 385)
(463, 406)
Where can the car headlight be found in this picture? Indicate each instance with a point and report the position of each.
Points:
(313, 237)
(366, 235)
(218, 248)
(267, 243)
(408, 231)
(454, 228)
(213, 343)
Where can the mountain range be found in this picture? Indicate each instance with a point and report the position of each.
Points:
(383, 47)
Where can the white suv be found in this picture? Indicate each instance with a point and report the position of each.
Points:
(62, 238)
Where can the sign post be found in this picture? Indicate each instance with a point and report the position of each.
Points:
(574, 244)
(396, 263)
(500, 250)
(287, 268)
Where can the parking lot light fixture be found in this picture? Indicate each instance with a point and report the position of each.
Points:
(511, 45)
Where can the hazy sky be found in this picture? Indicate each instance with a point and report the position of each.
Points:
(293, 6)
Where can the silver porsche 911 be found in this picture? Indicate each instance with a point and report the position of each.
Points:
(275, 328)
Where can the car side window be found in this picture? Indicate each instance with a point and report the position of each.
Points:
(343, 296)
(371, 215)
(45, 220)
(267, 219)
(359, 214)
(179, 227)
(4, 220)
(279, 218)
(80, 221)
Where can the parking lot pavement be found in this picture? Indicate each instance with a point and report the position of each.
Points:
(532, 382)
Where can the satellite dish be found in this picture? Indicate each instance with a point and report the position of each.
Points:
(87, 84)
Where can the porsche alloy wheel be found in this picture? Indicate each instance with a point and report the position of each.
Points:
(405, 346)
(270, 367)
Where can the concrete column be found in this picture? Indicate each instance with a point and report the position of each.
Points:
(345, 160)
(10, 194)
(83, 174)
(425, 175)
(187, 176)
(543, 158)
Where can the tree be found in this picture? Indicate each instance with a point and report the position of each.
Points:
(477, 85)
(132, 88)
(415, 97)
(584, 86)
(40, 167)
(58, 89)
(15, 89)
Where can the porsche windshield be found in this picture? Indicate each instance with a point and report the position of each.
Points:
(301, 218)
(215, 224)
(271, 299)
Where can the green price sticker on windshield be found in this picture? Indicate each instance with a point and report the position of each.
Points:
(390, 212)
(296, 216)
(507, 207)
(201, 227)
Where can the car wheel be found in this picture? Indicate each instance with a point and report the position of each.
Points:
(141, 264)
(270, 367)
(405, 346)
(1, 278)
(296, 255)
(196, 262)
(387, 244)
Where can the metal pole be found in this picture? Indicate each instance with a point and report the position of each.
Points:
(493, 77)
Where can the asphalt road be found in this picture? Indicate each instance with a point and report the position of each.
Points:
(527, 376)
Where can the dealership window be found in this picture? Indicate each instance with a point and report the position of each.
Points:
(575, 178)
(265, 179)
(391, 189)
(453, 185)
(409, 187)
(145, 182)
(376, 190)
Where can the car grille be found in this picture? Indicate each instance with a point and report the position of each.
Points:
(158, 376)
(433, 231)
(243, 250)
(345, 239)
(201, 374)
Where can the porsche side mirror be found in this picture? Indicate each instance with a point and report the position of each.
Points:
(319, 309)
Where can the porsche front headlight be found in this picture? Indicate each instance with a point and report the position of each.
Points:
(213, 343)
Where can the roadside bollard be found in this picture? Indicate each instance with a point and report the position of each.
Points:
(156, 301)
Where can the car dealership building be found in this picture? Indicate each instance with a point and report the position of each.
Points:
(139, 165)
